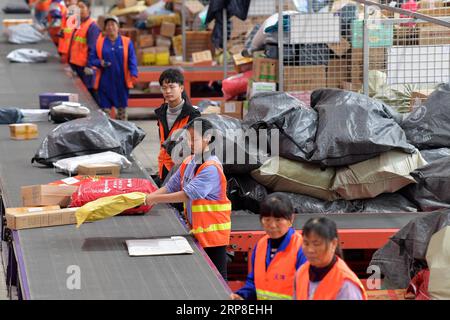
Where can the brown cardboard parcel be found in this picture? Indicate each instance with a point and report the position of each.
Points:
(38, 219)
(47, 195)
(99, 169)
(232, 109)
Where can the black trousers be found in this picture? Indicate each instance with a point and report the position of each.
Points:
(218, 256)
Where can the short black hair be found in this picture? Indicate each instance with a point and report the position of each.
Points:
(86, 2)
(171, 76)
(202, 123)
(324, 228)
(277, 205)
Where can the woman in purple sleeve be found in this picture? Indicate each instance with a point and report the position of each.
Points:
(201, 186)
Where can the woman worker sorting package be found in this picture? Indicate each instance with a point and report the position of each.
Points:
(277, 256)
(325, 276)
(201, 185)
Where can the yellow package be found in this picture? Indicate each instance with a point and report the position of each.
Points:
(108, 207)
(162, 58)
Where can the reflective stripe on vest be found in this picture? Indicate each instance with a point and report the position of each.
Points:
(329, 287)
(268, 295)
(211, 219)
(276, 282)
(126, 71)
(79, 47)
(64, 42)
(164, 159)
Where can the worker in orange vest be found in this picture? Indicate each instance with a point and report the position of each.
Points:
(68, 21)
(116, 68)
(174, 114)
(83, 42)
(325, 276)
(277, 256)
(201, 186)
(57, 11)
(41, 9)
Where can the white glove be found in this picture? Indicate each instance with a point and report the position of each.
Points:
(88, 71)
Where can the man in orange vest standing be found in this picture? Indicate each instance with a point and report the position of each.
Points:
(174, 114)
(277, 256)
(83, 42)
(201, 186)
(116, 68)
(325, 276)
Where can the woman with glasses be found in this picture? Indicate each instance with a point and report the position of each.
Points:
(277, 256)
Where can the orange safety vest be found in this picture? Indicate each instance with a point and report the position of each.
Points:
(54, 31)
(277, 281)
(42, 5)
(79, 46)
(126, 71)
(330, 286)
(164, 159)
(211, 219)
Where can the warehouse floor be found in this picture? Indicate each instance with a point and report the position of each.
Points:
(146, 153)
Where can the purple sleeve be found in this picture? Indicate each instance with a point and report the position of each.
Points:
(202, 184)
(132, 60)
(349, 291)
(174, 183)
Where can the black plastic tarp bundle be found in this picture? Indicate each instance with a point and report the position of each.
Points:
(384, 203)
(238, 153)
(353, 128)
(428, 126)
(10, 115)
(245, 193)
(89, 135)
(431, 155)
(405, 253)
(296, 123)
(433, 184)
(16, 7)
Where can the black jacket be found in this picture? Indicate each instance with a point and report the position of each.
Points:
(161, 113)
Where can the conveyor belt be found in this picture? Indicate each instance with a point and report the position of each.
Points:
(250, 222)
(98, 249)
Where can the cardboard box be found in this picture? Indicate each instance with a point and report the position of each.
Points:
(341, 48)
(420, 97)
(47, 195)
(122, 4)
(349, 86)
(406, 36)
(197, 41)
(22, 210)
(337, 71)
(397, 294)
(145, 41)
(304, 78)
(203, 58)
(265, 70)
(242, 64)
(131, 33)
(168, 29)
(377, 61)
(146, 57)
(13, 22)
(45, 99)
(163, 42)
(436, 12)
(162, 56)
(434, 35)
(23, 131)
(99, 169)
(193, 7)
(232, 109)
(37, 219)
(257, 87)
